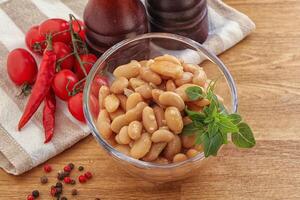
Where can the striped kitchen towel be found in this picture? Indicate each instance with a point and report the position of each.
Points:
(21, 151)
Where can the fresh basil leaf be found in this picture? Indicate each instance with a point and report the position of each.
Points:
(199, 135)
(222, 109)
(195, 116)
(194, 93)
(211, 144)
(226, 125)
(212, 129)
(235, 118)
(244, 137)
(189, 129)
(198, 124)
(225, 137)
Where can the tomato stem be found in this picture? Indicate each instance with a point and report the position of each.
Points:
(75, 45)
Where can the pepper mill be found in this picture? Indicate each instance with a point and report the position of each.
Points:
(108, 22)
(183, 17)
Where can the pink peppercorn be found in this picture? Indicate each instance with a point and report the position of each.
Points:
(53, 191)
(88, 175)
(67, 168)
(47, 168)
(82, 179)
(67, 180)
(30, 197)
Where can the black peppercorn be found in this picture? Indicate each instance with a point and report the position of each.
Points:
(73, 182)
(63, 198)
(44, 179)
(71, 165)
(80, 168)
(60, 176)
(35, 193)
(74, 192)
(59, 185)
(97, 199)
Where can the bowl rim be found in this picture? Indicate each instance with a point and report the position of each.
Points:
(89, 118)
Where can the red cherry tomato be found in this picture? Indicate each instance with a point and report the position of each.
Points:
(88, 60)
(94, 106)
(75, 105)
(21, 67)
(78, 27)
(97, 83)
(62, 50)
(35, 41)
(64, 82)
(56, 26)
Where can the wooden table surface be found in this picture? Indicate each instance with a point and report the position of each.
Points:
(266, 67)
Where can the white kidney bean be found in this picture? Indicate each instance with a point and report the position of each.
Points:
(133, 100)
(136, 82)
(174, 119)
(188, 141)
(148, 75)
(187, 77)
(103, 93)
(161, 160)
(168, 58)
(171, 99)
(181, 91)
(128, 70)
(145, 91)
(170, 85)
(179, 157)
(199, 78)
(149, 120)
(201, 102)
(104, 129)
(167, 68)
(128, 92)
(123, 149)
(135, 114)
(186, 120)
(190, 67)
(117, 113)
(118, 123)
(111, 103)
(159, 115)
(173, 147)
(141, 146)
(123, 135)
(162, 136)
(154, 152)
(123, 100)
(191, 153)
(119, 85)
(135, 130)
(103, 116)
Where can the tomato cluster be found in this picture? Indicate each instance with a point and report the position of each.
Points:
(73, 63)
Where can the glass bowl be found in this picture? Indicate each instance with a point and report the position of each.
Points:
(145, 47)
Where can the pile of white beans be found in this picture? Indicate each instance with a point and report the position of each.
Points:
(142, 112)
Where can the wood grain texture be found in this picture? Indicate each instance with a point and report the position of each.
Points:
(266, 67)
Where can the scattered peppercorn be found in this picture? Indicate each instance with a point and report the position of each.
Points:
(82, 179)
(74, 192)
(47, 168)
(30, 197)
(80, 168)
(59, 185)
(67, 180)
(97, 199)
(63, 198)
(71, 165)
(66, 174)
(35, 193)
(44, 179)
(73, 182)
(58, 190)
(67, 168)
(60, 176)
(88, 175)
(53, 191)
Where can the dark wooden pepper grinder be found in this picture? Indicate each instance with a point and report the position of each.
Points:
(111, 21)
(183, 17)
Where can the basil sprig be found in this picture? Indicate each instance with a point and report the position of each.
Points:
(213, 124)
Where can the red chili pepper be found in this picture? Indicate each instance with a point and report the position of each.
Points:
(42, 85)
(49, 115)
